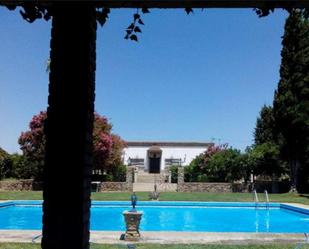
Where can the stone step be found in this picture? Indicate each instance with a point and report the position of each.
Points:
(143, 187)
(150, 178)
(148, 174)
(149, 187)
(145, 179)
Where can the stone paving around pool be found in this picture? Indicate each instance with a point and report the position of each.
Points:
(201, 238)
(107, 237)
(299, 205)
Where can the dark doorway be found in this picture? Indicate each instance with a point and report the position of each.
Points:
(154, 164)
(154, 156)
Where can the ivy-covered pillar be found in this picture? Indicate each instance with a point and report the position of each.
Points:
(180, 178)
(69, 125)
(130, 178)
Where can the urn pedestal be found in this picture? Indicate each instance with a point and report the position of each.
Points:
(132, 219)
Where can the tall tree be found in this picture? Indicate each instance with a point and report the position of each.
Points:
(3, 162)
(291, 100)
(3, 153)
(265, 153)
(264, 130)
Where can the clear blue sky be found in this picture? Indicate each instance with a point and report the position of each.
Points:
(190, 78)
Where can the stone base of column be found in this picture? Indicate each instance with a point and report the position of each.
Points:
(132, 220)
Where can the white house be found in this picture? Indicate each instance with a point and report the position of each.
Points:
(153, 157)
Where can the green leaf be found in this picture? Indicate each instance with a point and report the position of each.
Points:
(136, 16)
(140, 22)
(133, 38)
(145, 10)
(47, 16)
(106, 11)
(102, 16)
(131, 26)
(137, 30)
(11, 7)
(188, 10)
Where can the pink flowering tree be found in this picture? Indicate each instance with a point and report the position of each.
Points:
(108, 149)
(107, 146)
(211, 150)
(102, 142)
(197, 170)
(32, 144)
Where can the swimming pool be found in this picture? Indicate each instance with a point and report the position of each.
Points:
(172, 216)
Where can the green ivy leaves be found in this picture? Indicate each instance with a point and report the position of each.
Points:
(134, 28)
(102, 15)
(32, 10)
(188, 10)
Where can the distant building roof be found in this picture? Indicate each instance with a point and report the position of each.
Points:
(155, 148)
(167, 144)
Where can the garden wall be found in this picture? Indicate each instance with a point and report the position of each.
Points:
(272, 186)
(260, 186)
(167, 187)
(20, 185)
(215, 187)
(119, 186)
(114, 186)
(241, 187)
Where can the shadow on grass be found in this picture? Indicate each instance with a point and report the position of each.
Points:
(304, 195)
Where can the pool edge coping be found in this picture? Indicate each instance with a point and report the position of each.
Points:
(113, 237)
(279, 204)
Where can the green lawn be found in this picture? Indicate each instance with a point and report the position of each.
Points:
(159, 246)
(172, 196)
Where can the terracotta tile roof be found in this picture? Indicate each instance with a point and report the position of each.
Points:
(167, 144)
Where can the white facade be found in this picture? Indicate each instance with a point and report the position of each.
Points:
(166, 153)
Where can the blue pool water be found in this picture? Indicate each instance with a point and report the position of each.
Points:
(171, 216)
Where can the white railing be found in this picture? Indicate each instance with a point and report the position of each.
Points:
(256, 199)
(266, 199)
(35, 238)
(303, 243)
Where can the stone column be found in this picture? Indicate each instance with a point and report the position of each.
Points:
(180, 179)
(135, 175)
(169, 176)
(69, 126)
(129, 178)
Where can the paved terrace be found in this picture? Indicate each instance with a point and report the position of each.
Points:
(108, 237)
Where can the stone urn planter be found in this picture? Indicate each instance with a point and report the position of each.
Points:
(132, 219)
